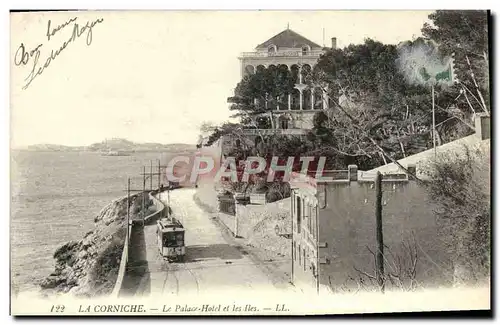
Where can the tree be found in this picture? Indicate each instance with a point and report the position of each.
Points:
(464, 33)
(377, 115)
(207, 127)
(257, 95)
(423, 63)
(460, 190)
(224, 129)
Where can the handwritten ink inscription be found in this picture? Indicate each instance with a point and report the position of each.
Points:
(58, 28)
(31, 58)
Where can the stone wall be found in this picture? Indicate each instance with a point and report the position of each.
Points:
(257, 224)
(229, 222)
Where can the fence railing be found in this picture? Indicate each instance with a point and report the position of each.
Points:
(123, 265)
(275, 131)
(281, 54)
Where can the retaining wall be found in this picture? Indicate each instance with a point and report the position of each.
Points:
(159, 207)
(159, 212)
(123, 265)
(230, 221)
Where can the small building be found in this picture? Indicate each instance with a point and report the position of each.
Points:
(333, 228)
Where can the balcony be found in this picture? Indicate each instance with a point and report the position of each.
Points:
(274, 131)
(281, 54)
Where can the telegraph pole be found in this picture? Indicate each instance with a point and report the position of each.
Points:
(151, 175)
(379, 259)
(433, 123)
(143, 189)
(159, 174)
(128, 207)
(168, 199)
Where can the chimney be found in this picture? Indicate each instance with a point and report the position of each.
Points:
(334, 43)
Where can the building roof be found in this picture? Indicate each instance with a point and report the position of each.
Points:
(288, 38)
(480, 141)
(422, 159)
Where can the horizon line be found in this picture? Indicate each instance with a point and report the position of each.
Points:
(22, 146)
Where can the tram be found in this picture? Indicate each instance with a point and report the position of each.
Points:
(170, 233)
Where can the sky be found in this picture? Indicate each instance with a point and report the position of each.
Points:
(155, 76)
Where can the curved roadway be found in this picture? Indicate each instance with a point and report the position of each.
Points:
(212, 263)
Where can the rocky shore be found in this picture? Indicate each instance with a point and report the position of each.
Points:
(89, 267)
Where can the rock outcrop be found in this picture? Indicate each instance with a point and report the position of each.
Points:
(89, 267)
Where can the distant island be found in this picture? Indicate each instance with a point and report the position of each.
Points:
(115, 147)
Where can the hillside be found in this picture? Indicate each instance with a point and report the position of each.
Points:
(117, 144)
(89, 267)
(53, 147)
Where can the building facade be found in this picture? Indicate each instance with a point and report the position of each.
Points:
(286, 50)
(291, 51)
(334, 231)
(297, 54)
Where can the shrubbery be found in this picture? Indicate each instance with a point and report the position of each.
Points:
(460, 188)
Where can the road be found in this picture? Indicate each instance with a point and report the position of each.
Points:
(212, 263)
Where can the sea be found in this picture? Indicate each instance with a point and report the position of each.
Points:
(55, 197)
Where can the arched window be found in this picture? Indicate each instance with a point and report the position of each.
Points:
(305, 71)
(318, 98)
(249, 70)
(283, 102)
(305, 50)
(294, 70)
(306, 99)
(271, 49)
(295, 99)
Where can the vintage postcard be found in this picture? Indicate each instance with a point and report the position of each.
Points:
(249, 162)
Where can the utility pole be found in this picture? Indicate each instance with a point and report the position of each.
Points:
(294, 251)
(168, 200)
(379, 259)
(128, 208)
(143, 189)
(151, 176)
(159, 174)
(138, 191)
(433, 123)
